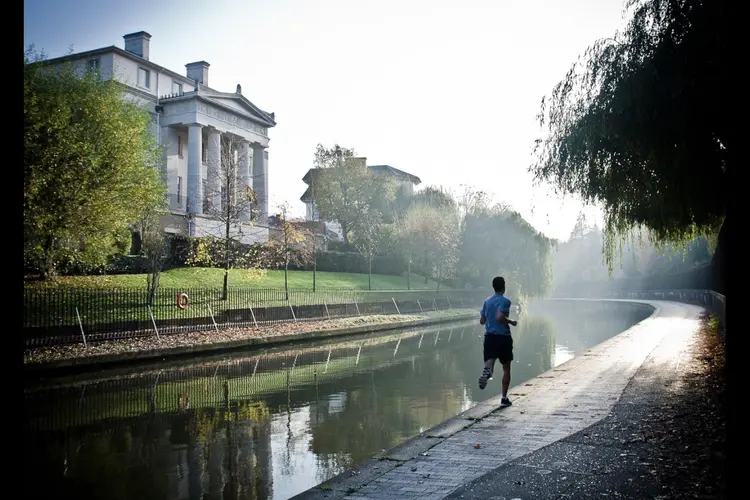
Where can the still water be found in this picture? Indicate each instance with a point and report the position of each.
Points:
(271, 424)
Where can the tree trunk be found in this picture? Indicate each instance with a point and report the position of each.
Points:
(225, 291)
(48, 271)
(408, 274)
(369, 272)
(719, 260)
(315, 253)
(345, 233)
(286, 282)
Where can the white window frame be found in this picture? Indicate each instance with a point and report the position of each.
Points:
(176, 87)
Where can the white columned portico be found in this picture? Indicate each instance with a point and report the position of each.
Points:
(195, 177)
(245, 178)
(260, 181)
(214, 169)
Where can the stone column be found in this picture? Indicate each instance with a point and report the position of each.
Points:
(260, 181)
(213, 161)
(245, 179)
(195, 177)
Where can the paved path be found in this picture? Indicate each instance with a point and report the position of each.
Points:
(547, 409)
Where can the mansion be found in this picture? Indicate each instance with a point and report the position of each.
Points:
(193, 122)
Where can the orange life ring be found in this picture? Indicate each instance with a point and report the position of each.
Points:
(183, 301)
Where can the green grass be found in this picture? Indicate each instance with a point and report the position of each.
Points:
(198, 277)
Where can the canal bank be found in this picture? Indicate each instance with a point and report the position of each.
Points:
(117, 352)
(456, 456)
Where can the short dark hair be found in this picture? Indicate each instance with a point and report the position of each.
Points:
(498, 283)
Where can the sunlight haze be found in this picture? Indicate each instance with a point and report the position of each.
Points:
(446, 91)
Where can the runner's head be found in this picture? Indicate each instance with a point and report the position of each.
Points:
(498, 283)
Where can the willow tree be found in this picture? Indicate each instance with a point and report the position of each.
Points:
(90, 166)
(641, 126)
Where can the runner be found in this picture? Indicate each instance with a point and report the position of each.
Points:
(498, 343)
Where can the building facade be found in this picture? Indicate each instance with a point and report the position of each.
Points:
(193, 123)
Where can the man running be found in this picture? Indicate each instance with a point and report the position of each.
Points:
(498, 343)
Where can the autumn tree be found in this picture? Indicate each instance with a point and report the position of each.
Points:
(642, 125)
(230, 202)
(90, 166)
(346, 191)
(430, 237)
(291, 244)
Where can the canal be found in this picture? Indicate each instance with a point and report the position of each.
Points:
(270, 424)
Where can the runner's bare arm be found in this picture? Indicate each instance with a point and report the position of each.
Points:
(502, 318)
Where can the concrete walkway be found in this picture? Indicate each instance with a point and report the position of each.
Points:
(554, 406)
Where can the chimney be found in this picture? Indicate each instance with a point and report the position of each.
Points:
(198, 71)
(137, 43)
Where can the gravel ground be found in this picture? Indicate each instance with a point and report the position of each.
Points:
(56, 353)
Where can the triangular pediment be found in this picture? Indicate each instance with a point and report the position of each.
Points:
(239, 103)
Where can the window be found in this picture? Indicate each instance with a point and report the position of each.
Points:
(179, 191)
(144, 78)
(179, 146)
(204, 153)
(92, 64)
(206, 204)
(176, 87)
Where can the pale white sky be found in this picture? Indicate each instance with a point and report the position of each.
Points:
(447, 91)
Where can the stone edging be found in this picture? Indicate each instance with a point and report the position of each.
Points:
(99, 361)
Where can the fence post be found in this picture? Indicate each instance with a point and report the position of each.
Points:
(327, 313)
(420, 307)
(434, 305)
(450, 306)
(153, 322)
(396, 349)
(355, 305)
(394, 303)
(212, 316)
(253, 315)
(291, 309)
(80, 323)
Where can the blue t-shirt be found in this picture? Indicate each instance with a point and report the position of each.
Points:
(492, 305)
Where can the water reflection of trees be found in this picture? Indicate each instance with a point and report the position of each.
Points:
(340, 404)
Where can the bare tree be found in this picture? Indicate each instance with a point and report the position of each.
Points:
(230, 199)
(292, 244)
(367, 237)
(154, 249)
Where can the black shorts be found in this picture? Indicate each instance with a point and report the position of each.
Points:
(498, 347)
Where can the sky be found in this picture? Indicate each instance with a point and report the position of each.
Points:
(445, 90)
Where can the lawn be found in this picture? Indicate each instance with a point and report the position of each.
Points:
(198, 277)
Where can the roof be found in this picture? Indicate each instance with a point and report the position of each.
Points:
(308, 177)
(395, 172)
(263, 115)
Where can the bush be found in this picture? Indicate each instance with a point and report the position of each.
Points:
(351, 262)
(183, 251)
